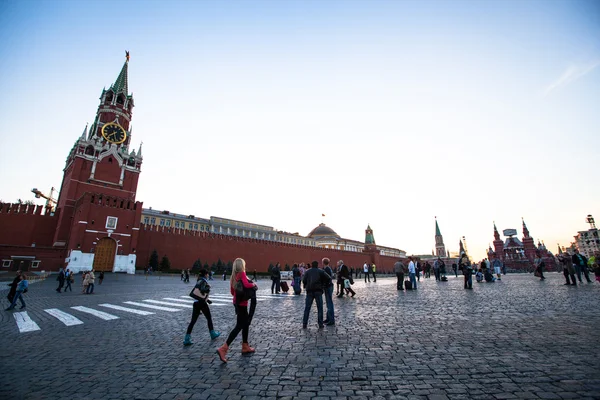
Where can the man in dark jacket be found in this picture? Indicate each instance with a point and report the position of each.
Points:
(344, 275)
(315, 280)
(580, 263)
(399, 271)
(61, 280)
(276, 278)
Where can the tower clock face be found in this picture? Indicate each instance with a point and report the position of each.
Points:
(114, 133)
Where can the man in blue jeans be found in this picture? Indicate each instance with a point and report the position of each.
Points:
(21, 288)
(412, 270)
(330, 320)
(314, 281)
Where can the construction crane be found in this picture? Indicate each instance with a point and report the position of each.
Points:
(50, 201)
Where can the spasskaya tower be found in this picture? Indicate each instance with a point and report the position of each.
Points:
(96, 205)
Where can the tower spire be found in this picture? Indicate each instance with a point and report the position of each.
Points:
(84, 134)
(139, 153)
(525, 230)
(437, 228)
(496, 234)
(120, 84)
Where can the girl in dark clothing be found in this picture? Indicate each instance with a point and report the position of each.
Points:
(200, 294)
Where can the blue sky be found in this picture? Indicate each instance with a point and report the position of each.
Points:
(274, 112)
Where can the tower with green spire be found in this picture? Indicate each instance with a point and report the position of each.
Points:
(440, 248)
(369, 238)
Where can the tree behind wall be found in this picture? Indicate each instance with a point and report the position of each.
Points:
(165, 264)
(197, 266)
(153, 260)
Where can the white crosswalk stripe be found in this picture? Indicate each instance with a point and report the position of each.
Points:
(24, 323)
(182, 300)
(134, 303)
(99, 314)
(126, 309)
(169, 303)
(63, 317)
(215, 302)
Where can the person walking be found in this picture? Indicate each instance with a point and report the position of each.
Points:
(330, 319)
(276, 279)
(84, 281)
(61, 280)
(436, 269)
(412, 271)
(200, 295)
(568, 269)
(580, 262)
(100, 277)
(366, 272)
(296, 279)
(68, 280)
(497, 265)
(91, 280)
(13, 287)
(455, 269)
(373, 270)
(21, 288)
(345, 275)
(465, 265)
(315, 281)
(538, 263)
(238, 274)
(399, 271)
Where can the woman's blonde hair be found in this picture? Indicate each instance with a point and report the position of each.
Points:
(239, 265)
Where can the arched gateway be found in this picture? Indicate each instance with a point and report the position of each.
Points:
(104, 257)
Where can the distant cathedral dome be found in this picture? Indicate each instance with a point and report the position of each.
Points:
(322, 230)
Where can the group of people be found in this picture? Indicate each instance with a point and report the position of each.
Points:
(18, 287)
(87, 282)
(316, 282)
(200, 293)
(577, 264)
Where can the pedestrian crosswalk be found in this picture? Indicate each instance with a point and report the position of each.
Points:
(25, 322)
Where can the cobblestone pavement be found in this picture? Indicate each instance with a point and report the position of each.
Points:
(518, 338)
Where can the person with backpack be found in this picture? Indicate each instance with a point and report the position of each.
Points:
(239, 280)
(21, 288)
(200, 295)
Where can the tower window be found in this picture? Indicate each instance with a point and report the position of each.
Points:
(109, 97)
(120, 100)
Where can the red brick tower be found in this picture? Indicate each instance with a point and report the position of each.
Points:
(528, 243)
(498, 244)
(98, 215)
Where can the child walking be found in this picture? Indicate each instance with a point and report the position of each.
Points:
(200, 294)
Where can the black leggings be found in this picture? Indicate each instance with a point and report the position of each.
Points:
(200, 306)
(242, 325)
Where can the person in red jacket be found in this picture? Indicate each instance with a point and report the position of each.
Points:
(241, 309)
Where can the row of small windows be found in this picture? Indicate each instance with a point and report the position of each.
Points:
(177, 224)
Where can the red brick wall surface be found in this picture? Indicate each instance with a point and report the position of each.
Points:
(184, 249)
(22, 225)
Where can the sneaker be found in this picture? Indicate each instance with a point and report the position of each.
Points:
(321, 326)
(9, 308)
(22, 307)
(214, 334)
(304, 327)
(331, 323)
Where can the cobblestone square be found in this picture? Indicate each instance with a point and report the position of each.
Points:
(517, 338)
